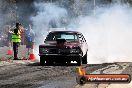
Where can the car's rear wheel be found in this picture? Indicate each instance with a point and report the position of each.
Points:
(84, 59)
(42, 61)
(79, 61)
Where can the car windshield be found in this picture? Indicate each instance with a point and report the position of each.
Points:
(71, 37)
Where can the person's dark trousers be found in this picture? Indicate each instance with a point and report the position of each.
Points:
(15, 49)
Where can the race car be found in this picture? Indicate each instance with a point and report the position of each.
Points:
(63, 47)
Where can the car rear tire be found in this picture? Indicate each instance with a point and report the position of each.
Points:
(42, 61)
(84, 59)
(79, 61)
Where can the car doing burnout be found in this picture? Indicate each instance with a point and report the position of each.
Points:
(63, 47)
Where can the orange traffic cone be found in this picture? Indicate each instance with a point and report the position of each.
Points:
(32, 55)
(9, 52)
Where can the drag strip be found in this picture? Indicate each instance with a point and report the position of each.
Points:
(33, 75)
(26, 74)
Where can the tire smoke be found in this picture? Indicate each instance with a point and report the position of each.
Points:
(107, 31)
(108, 34)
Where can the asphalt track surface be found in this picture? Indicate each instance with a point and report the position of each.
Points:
(32, 75)
(26, 74)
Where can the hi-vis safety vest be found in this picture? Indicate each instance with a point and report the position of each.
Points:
(16, 38)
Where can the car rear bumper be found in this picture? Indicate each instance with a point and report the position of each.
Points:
(60, 56)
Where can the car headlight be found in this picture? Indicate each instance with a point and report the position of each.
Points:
(74, 51)
(43, 50)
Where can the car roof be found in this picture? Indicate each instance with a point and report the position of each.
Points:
(65, 32)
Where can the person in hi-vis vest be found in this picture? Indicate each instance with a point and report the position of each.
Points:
(16, 39)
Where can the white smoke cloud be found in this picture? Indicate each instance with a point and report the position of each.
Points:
(108, 34)
(48, 15)
(108, 31)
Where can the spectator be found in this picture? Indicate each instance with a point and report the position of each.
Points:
(9, 34)
(30, 38)
(22, 33)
